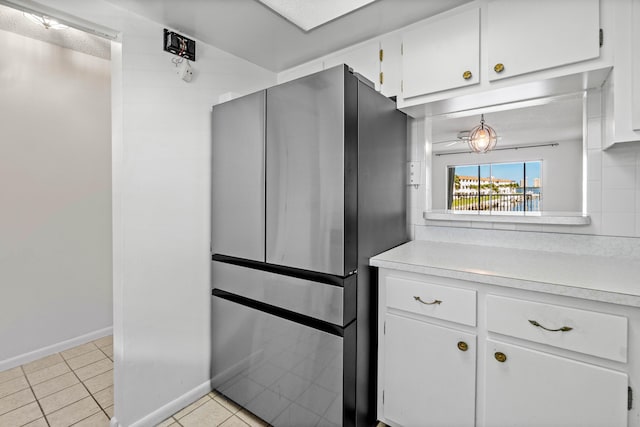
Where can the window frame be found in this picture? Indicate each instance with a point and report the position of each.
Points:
(450, 184)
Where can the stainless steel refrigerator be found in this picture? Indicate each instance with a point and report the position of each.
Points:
(308, 182)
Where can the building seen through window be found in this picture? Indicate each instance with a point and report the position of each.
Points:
(499, 187)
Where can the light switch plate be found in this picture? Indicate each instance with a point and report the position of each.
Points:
(414, 173)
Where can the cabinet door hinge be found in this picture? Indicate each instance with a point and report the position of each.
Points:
(382, 396)
(401, 48)
(381, 77)
(601, 37)
(629, 398)
(401, 85)
(381, 55)
(384, 329)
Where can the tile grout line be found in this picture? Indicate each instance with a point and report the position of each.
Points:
(11, 379)
(101, 409)
(242, 408)
(105, 354)
(21, 406)
(233, 414)
(88, 391)
(91, 363)
(174, 415)
(100, 406)
(71, 370)
(34, 395)
(104, 410)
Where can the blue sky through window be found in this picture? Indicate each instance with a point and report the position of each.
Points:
(511, 171)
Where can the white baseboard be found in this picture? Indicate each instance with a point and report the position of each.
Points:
(170, 408)
(54, 348)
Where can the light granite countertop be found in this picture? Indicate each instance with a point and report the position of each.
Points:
(600, 278)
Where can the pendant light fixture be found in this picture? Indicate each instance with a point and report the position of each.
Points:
(482, 138)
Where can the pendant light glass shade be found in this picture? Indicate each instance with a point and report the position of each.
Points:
(482, 138)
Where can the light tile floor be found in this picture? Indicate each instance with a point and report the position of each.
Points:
(213, 410)
(75, 388)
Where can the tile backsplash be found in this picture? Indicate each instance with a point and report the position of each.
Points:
(579, 244)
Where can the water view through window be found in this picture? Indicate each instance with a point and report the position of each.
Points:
(499, 187)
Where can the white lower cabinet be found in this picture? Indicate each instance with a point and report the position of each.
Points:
(525, 387)
(457, 353)
(430, 374)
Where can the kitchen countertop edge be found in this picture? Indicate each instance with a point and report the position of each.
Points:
(397, 259)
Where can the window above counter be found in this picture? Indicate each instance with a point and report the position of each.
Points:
(536, 173)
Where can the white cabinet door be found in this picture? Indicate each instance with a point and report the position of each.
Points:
(428, 380)
(442, 54)
(531, 388)
(364, 59)
(526, 36)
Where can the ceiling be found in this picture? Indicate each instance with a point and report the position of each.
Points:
(250, 30)
(16, 22)
(555, 120)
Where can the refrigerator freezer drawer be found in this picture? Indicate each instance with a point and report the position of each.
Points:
(286, 373)
(327, 302)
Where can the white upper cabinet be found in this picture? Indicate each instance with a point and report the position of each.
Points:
(442, 54)
(523, 36)
(621, 91)
(477, 47)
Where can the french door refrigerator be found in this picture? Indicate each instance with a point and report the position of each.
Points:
(308, 182)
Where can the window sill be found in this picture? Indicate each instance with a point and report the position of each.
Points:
(550, 218)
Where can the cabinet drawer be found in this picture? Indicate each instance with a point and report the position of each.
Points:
(442, 302)
(597, 334)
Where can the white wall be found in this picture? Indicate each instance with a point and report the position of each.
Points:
(55, 192)
(165, 212)
(161, 212)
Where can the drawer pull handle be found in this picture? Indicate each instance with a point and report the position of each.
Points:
(563, 329)
(435, 301)
(462, 346)
(500, 356)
